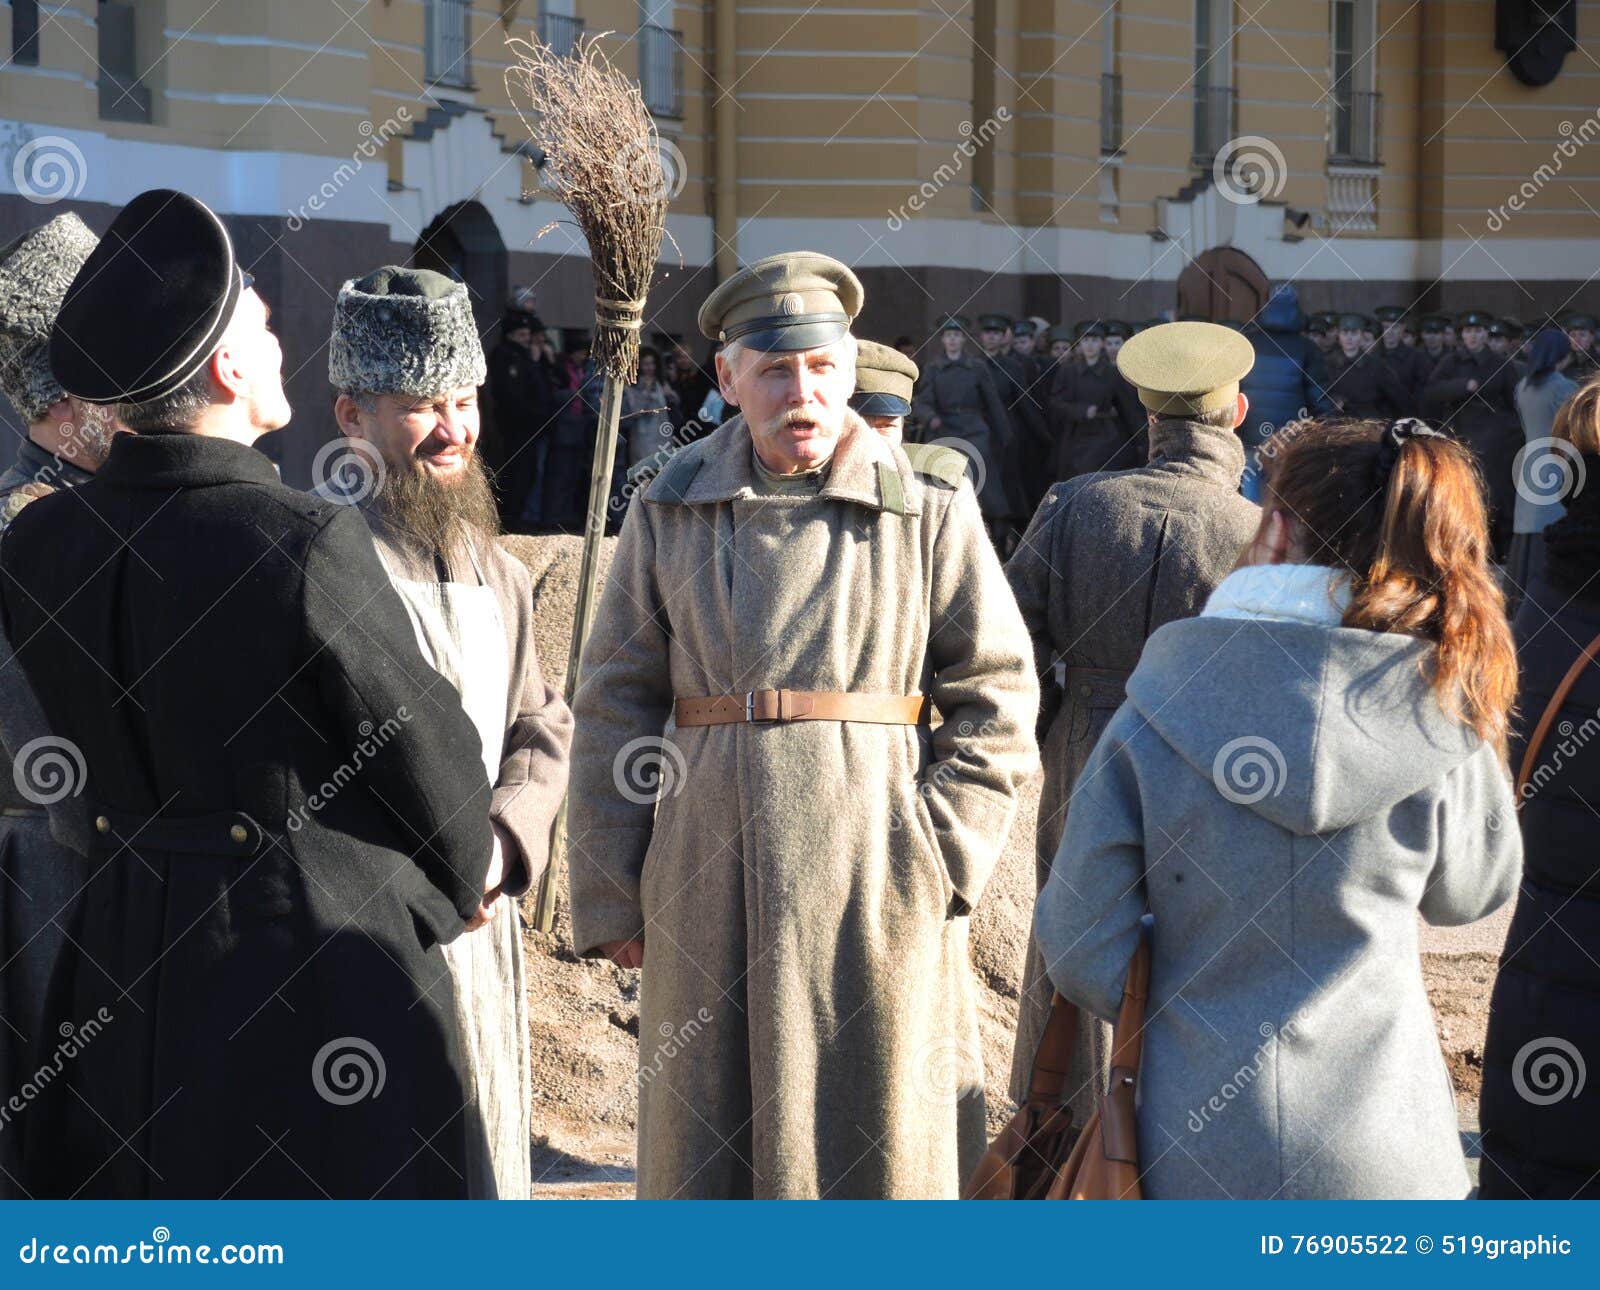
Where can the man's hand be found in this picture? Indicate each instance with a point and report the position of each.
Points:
(1093, 411)
(935, 422)
(1472, 387)
(626, 954)
(479, 919)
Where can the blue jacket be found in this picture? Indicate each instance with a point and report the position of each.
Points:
(1288, 379)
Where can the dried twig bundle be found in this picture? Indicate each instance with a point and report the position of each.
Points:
(604, 160)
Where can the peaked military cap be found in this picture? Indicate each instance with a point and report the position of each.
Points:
(404, 331)
(1061, 332)
(1023, 327)
(798, 300)
(150, 304)
(1094, 328)
(993, 322)
(1328, 319)
(1186, 368)
(1116, 327)
(35, 272)
(955, 322)
(1579, 322)
(1433, 324)
(884, 381)
(1315, 326)
(1475, 318)
(1388, 313)
(1354, 322)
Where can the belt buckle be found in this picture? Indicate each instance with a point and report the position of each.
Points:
(779, 706)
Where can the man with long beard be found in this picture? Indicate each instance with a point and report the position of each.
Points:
(406, 360)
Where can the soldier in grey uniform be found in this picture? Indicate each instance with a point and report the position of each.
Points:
(1107, 560)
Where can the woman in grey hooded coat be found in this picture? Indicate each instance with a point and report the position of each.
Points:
(1285, 845)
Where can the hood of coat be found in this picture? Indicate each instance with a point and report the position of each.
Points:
(864, 468)
(1282, 311)
(1312, 727)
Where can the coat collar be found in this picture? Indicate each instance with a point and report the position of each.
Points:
(864, 469)
(179, 460)
(1198, 450)
(38, 462)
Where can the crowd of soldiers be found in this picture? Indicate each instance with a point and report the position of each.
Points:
(1036, 404)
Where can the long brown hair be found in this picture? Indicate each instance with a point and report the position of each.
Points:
(1408, 523)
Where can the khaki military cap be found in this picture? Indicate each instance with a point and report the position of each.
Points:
(800, 300)
(1186, 368)
(884, 380)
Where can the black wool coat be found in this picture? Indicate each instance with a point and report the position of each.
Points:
(1541, 1120)
(290, 813)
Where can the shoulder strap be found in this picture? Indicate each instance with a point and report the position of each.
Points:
(946, 465)
(672, 484)
(1530, 757)
(1052, 1060)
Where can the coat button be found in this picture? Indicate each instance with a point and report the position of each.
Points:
(1084, 691)
(239, 834)
(102, 823)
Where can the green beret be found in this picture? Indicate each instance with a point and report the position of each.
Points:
(884, 380)
(799, 300)
(1186, 368)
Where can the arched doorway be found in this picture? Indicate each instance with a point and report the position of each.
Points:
(463, 243)
(1222, 284)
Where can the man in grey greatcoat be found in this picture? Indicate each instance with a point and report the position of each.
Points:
(763, 813)
(406, 360)
(1107, 560)
(67, 440)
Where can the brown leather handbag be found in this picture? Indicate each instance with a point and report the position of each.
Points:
(1040, 1154)
(1530, 757)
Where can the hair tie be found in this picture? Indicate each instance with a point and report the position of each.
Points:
(1395, 437)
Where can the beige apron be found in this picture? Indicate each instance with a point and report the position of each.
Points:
(462, 635)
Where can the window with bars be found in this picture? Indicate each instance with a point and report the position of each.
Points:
(25, 33)
(1110, 83)
(448, 42)
(561, 31)
(661, 70)
(1214, 97)
(1354, 103)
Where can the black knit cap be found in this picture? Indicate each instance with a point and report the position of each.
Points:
(151, 303)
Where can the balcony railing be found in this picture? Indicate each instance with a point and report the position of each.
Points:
(1110, 114)
(561, 32)
(661, 70)
(448, 44)
(1357, 133)
(1215, 113)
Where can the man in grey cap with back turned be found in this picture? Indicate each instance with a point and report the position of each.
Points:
(66, 441)
(406, 361)
(283, 805)
(793, 859)
(1107, 560)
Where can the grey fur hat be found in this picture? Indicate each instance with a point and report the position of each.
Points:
(35, 272)
(404, 331)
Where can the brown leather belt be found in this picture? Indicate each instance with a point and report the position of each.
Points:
(801, 705)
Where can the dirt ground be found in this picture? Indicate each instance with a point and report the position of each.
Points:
(584, 1015)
